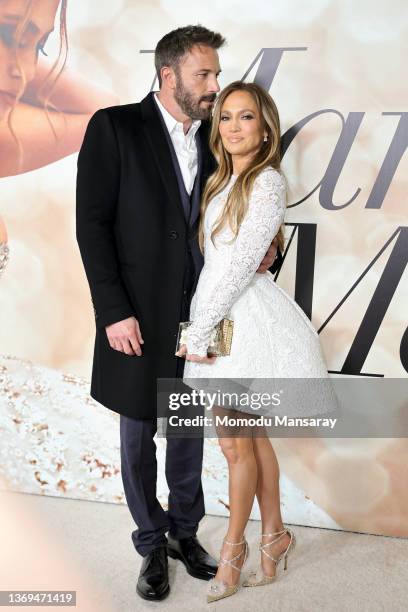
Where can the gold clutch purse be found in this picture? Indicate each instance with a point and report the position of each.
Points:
(220, 340)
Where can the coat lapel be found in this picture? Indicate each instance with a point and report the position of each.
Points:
(204, 167)
(160, 150)
(197, 189)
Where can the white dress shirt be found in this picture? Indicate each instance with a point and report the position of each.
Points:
(184, 145)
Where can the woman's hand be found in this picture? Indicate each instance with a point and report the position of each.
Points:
(182, 352)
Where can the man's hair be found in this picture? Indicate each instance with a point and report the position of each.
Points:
(174, 45)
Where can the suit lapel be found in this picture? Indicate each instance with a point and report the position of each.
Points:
(197, 189)
(204, 158)
(160, 150)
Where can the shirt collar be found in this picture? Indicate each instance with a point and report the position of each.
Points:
(172, 124)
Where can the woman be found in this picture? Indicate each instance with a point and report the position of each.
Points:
(44, 106)
(243, 208)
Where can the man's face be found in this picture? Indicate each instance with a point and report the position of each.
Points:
(196, 82)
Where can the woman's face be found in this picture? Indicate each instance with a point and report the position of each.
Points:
(240, 125)
(27, 44)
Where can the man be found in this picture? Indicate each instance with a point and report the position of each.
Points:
(141, 170)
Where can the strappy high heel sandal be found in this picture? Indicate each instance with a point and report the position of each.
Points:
(259, 577)
(217, 589)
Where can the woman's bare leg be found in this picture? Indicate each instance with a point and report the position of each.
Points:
(242, 469)
(268, 496)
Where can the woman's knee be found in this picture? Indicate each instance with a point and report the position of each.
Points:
(236, 450)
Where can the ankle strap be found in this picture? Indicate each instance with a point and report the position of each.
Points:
(230, 561)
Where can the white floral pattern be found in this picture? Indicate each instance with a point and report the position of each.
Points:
(272, 335)
(237, 262)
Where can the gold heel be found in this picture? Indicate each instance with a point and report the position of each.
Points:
(218, 589)
(259, 577)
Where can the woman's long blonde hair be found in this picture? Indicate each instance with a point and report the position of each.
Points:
(268, 155)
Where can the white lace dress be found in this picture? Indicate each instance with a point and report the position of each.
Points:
(272, 337)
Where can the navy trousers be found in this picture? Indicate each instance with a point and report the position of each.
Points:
(183, 467)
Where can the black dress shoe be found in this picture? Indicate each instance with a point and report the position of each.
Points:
(153, 581)
(196, 559)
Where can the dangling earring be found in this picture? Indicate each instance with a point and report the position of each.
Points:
(265, 138)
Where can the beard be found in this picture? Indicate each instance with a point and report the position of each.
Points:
(190, 104)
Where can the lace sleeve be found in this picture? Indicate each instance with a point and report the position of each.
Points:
(266, 209)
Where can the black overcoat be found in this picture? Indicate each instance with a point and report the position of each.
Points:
(132, 234)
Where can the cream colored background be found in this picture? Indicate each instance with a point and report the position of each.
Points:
(355, 61)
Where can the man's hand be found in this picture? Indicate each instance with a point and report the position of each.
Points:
(269, 257)
(125, 336)
(182, 352)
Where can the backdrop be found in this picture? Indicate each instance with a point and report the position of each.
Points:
(335, 71)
